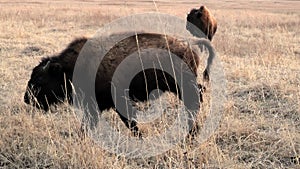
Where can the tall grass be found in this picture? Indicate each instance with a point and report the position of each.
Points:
(260, 54)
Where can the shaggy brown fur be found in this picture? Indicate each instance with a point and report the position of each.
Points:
(204, 20)
(49, 82)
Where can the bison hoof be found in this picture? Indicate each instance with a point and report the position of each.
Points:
(138, 134)
(194, 131)
(201, 89)
(205, 75)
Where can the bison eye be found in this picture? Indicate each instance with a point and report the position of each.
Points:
(55, 68)
(39, 80)
(199, 14)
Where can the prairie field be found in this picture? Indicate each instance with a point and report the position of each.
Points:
(258, 43)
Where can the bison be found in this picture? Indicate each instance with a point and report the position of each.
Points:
(51, 80)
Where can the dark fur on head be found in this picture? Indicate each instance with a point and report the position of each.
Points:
(50, 80)
(204, 20)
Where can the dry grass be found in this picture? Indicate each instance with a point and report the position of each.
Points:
(260, 54)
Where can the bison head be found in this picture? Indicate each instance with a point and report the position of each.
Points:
(46, 85)
(203, 19)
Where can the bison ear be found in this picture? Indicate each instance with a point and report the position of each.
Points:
(55, 68)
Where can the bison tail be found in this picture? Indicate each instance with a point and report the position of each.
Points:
(206, 43)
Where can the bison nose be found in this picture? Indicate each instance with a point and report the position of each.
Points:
(26, 98)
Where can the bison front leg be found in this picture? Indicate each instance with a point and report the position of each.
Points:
(201, 90)
(131, 124)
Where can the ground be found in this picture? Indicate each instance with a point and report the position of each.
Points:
(257, 43)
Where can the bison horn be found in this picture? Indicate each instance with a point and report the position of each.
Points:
(46, 66)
